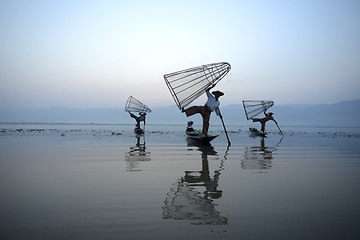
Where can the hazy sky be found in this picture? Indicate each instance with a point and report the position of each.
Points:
(87, 54)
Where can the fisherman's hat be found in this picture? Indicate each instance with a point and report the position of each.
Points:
(270, 113)
(217, 93)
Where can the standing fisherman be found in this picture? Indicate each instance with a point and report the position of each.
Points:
(138, 119)
(212, 104)
(268, 116)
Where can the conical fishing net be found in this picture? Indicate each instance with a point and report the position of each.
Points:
(255, 107)
(187, 85)
(134, 105)
(184, 202)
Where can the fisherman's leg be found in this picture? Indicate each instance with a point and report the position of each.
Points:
(138, 124)
(262, 126)
(205, 173)
(206, 120)
(193, 110)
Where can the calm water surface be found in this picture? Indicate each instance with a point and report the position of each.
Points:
(103, 182)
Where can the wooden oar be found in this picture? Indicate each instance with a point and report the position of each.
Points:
(279, 129)
(229, 143)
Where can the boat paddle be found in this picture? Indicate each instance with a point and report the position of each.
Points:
(279, 129)
(229, 143)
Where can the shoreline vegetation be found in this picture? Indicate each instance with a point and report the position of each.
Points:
(107, 130)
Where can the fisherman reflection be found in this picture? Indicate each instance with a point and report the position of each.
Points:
(137, 154)
(185, 201)
(202, 178)
(258, 157)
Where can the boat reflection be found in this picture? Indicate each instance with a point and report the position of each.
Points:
(137, 154)
(192, 196)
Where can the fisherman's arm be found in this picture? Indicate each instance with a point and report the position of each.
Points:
(207, 91)
(208, 94)
(212, 86)
(132, 115)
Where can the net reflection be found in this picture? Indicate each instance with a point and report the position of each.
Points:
(137, 154)
(191, 196)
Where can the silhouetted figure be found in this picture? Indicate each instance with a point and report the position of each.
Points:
(138, 119)
(268, 117)
(212, 104)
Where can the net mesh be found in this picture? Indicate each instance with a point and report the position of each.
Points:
(187, 85)
(255, 107)
(184, 202)
(134, 105)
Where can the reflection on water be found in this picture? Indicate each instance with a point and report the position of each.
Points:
(76, 187)
(191, 196)
(259, 157)
(137, 154)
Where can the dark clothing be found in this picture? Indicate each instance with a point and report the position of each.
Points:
(138, 119)
(264, 120)
(205, 112)
(212, 104)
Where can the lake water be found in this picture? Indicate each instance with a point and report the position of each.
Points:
(104, 182)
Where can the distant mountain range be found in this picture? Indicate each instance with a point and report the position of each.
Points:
(345, 113)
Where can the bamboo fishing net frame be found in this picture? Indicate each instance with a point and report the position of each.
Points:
(187, 85)
(255, 107)
(134, 105)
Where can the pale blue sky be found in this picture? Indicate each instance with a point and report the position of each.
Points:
(87, 54)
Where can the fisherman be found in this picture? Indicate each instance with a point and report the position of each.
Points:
(190, 130)
(268, 116)
(212, 104)
(138, 119)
